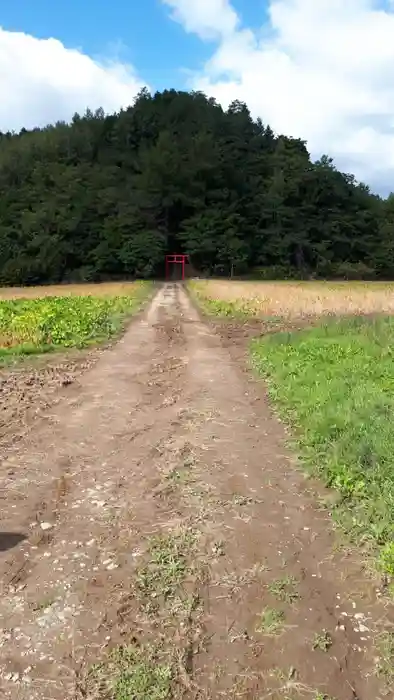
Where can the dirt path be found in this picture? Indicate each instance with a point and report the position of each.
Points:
(158, 507)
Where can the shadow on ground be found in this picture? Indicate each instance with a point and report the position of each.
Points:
(8, 540)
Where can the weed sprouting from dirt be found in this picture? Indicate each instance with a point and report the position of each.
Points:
(243, 500)
(218, 548)
(236, 581)
(322, 641)
(44, 603)
(178, 476)
(270, 621)
(285, 589)
(167, 566)
(133, 673)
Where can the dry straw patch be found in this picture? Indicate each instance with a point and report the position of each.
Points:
(64, 290)
(302, 298)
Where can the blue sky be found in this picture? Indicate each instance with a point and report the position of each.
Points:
(320, 70)
(136, 31)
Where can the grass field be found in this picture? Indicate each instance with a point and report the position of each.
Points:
(334, 384)
(65, 290)
(293, 299)
(41, 319)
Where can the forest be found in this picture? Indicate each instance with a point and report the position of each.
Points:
(108, 196)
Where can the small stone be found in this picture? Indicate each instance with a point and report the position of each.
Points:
(112, 566)
(46, 526)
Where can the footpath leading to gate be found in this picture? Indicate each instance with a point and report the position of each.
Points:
(164, 512)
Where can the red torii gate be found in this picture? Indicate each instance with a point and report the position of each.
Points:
(178, 259)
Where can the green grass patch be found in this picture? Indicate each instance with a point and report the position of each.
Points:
(223, 309)
(334, 384)
(218, 307)
(271, 621)
(31, 326)
(133, 673)
(160, 578)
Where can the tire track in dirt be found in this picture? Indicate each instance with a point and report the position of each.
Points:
(62, 587)
(278, 553)
(166, 436)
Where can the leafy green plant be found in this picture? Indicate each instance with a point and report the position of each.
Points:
(284, 589)
(37, 325)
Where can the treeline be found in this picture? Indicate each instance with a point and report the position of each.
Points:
(109, 196)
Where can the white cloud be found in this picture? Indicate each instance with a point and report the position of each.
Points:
(320, 70)
(42, 81)
(209, 19)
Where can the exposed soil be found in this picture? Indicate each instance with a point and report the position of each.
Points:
(32, 386)
(244, 588)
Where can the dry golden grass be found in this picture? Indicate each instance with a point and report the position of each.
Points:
(63, 290)
(301, 298)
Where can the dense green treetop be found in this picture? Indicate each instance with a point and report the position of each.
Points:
(109, 196)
